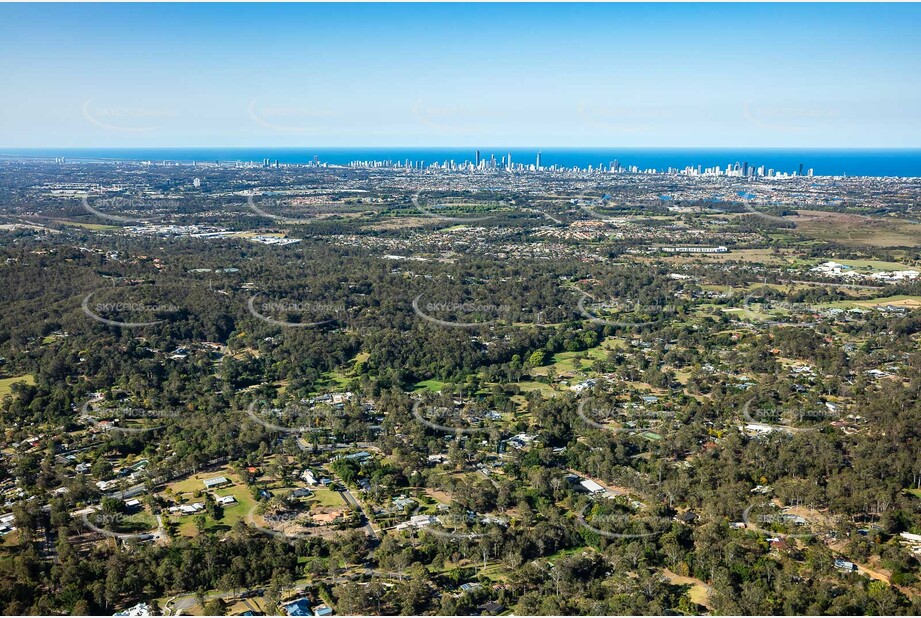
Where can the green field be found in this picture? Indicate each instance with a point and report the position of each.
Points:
(753, 314)
(873, 265)
(327, 498)
(901, 300)
(7, 383)
(87, 226)
(566, 362)
(447, 207)
(432, 385)
(339, 379)
(139, 522)
(529, 386)
(856, 230)
(607, 345)
(332, 381)
(188, 488)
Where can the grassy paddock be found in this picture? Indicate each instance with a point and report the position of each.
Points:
(6, 384)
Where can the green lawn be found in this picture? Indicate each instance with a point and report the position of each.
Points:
(339, 379)
(195, 483)
(187, 489)
(569, 552)
(606, 346)
(529, 386)
(565, 362)
(88, 226)
(873, 265)
(326, 498)
(752, 313)
(244, 504)
(909, 302)
(7, 383)
(332, 381)
(360, 359)
(432, 385)
(496, 571)
(139, 522)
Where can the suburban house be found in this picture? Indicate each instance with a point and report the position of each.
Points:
(217, 481)
(300, 607)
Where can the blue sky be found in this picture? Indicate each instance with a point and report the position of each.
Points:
(684, 75)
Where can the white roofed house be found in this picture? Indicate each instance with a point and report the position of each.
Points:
(187, 509)
(912, 541)
(417, 521)
(141, 609)
(585, 385)
(217, 481)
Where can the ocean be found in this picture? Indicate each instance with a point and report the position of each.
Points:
(825, 162)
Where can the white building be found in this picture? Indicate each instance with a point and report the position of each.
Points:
(719, 249)
(141, 609)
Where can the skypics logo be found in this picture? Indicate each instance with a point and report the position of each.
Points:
(459, 119)
(116, 308)
(285, 118)
(640, 312)
(135, 120)
(757, 304)
(621, 524)
(287, 526)
(628, 204)
(457, 204)
(453, 526)
(251, 204)
(770, 520)
(106, 524)
(117, 418)
(455, 419)
(591, 211)
(295, 418)
(464, 314)
(748, 200)
(790, 118)
(772, 418)
(622, 119)
(295, 516)
(308, 313)
(126, 204)
(599, 415)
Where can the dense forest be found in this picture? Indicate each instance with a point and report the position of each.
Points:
(677, 375)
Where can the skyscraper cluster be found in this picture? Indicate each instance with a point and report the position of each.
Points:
(738, 169)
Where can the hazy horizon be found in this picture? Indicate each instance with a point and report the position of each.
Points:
(422, 75)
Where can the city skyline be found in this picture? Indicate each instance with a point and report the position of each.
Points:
(709, 76)
(762, 162)
(460, 309)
